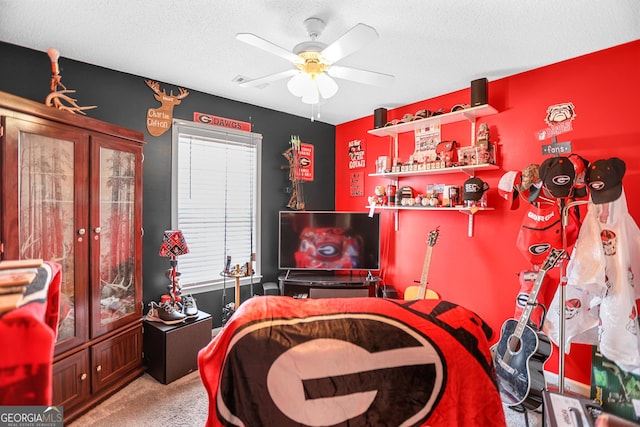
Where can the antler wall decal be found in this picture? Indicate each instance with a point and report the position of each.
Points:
(58, 97)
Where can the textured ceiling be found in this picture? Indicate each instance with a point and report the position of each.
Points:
(432, 47)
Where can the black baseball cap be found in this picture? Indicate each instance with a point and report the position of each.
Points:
(604, 178)
(473, 189)
(558, 175)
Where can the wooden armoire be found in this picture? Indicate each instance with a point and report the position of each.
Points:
(72, 193)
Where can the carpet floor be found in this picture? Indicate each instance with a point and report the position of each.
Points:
(184, 403)
(146, 402)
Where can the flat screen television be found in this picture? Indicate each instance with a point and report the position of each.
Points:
(328, 240)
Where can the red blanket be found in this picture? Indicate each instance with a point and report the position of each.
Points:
(27, 339)
(285, 362)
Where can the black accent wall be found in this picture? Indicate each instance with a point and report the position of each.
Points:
(123, 99)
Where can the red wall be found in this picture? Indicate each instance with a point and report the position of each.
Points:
(481, 272)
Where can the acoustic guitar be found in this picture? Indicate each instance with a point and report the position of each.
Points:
(421, 292)
(522, 351)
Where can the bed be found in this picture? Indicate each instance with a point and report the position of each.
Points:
(281, 361)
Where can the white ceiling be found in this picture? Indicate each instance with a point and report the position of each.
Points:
(432, 47)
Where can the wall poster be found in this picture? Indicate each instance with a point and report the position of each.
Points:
(427, 139)
(356, 184)
(304, 155)
(356, 154)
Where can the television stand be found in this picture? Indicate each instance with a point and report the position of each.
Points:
(327, 285)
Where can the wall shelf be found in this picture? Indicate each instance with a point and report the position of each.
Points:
(470, 211)
(470, 114)
(462, 209)
(468, 169)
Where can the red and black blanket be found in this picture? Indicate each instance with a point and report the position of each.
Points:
(27, 339)
(285, 362)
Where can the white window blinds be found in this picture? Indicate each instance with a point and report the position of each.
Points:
(215, 200)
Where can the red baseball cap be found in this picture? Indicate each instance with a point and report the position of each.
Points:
(508, 188)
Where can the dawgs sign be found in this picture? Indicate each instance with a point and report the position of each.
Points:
(208, 119)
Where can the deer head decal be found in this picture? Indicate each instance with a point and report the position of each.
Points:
(159, 119)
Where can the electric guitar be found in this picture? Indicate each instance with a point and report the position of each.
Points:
(522, 351)
(421, 292)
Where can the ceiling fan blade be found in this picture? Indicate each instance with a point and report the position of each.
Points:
(360, 76)
(351, 41)
(270, 78)
(267, 46)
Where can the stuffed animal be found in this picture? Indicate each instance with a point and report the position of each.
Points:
(380, 198)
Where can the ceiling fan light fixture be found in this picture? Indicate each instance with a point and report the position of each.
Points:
(311, 87)
(326, 85)
(312, 96)
(299, 84)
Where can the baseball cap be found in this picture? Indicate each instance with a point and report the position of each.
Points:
(557, 175)
(473, 189)
(604, 178)
(406, 118)
(422, 114)
(460, 107)
(508, 188)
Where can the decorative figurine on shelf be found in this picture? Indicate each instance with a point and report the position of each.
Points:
(380, 197)
(59, 92)
(483, 136)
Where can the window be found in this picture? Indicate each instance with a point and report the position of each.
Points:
(215, 202)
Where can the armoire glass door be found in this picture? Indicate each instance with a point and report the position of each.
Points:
(116, 233)
(47, 220)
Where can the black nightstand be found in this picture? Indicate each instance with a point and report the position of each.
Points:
(171, 351)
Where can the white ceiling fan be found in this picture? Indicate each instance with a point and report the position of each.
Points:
(315, 62)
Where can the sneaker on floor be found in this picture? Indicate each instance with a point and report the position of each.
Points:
(189, 308)
(164, 313)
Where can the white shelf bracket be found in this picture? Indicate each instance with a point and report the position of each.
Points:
(469, 116)
(395, 147)
(469, 172)
(469, 213)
